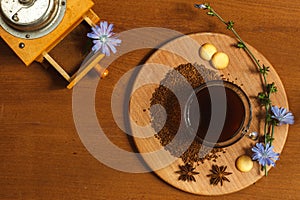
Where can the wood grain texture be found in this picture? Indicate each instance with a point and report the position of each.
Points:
(41, 154)
(242, 71)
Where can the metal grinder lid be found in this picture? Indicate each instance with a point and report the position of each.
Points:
(31, 19)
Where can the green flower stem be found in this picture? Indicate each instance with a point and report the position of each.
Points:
(255, 60)
(270, 141)
(267, 109)
(241, 41)
(272, 133)
(238, 37)
(266, 171)
(266, 133)
(265, 79)
(266, 123)
(217, 15)
(250, 54)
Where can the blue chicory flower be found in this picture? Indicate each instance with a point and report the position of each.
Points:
(282, 115)
(104, 39)
(264, 154)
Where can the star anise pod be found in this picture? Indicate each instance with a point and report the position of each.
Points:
(218, 175)
(187, 172)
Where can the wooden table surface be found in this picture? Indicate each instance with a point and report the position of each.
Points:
(42, 156)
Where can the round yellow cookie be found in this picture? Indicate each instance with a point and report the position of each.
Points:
(244, 163)
(207, 50)
(220, 60)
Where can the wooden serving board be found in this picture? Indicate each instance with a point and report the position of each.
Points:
(242, 71)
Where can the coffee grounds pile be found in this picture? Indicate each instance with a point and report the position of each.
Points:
(166, 130)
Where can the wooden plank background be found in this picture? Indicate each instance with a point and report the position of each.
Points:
(41, 154)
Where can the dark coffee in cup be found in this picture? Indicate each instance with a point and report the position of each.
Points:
(223, 114)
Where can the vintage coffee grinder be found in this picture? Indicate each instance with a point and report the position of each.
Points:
(32, 28)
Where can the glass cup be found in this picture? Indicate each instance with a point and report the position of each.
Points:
(218, 113)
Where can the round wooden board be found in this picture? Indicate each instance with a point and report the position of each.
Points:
(242, 71)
